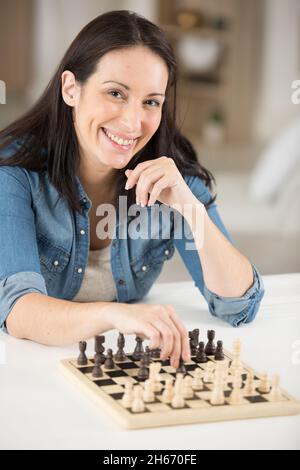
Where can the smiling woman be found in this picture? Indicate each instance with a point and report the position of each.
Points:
(105, 128)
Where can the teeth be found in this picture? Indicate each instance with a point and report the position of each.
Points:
(118, 140)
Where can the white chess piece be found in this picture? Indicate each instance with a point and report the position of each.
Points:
(275, 393)
(264, 385)
(137, 402)
(217, 396)
(148, 395)
(128, 395)
(187, 387)
(168, 392)
(209, 373)
(197, 383)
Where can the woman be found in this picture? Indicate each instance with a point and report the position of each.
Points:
(106, 120)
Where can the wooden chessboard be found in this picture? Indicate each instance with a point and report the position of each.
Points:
(108, 391)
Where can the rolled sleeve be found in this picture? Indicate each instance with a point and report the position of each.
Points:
(15, 286)
(237, 310)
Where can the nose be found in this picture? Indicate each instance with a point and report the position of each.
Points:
(131, 119)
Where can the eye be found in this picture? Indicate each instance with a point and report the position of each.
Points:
(156, 103)
(114, 91)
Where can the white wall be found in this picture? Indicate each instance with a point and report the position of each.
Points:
(57, 22)
(280, 66)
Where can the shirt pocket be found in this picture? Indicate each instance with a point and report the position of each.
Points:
(53, 259)
(148, 266)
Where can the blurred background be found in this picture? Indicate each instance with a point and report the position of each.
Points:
(237, 62)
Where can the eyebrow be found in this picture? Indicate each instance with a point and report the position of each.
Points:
(127, 88)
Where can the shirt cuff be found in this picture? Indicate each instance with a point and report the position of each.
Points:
(15, 286)
(237, 310)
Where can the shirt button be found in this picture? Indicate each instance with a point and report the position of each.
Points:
(82, 232)
(167, 252)
(144, 268)
(79, 270)
(121, 281)
(56, 263)
(84, 200)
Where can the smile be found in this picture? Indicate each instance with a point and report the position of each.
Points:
(117, 142)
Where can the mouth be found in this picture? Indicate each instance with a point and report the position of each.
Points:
(116, 144)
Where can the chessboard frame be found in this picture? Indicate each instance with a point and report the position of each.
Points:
(202, 414)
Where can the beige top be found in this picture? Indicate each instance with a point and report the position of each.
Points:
(98, 283)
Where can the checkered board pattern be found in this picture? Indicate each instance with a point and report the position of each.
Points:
(109, 389)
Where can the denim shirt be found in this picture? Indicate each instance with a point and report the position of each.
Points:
(44, 247)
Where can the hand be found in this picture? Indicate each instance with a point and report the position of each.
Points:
(161, 179)
(159, 323)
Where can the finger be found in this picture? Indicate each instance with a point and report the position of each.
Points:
(167, 336)
(185, 353)
(161, 184)
(175, 353)
(149, 331)
(134, 175)
(147, 179)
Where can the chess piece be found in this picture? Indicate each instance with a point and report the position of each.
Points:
(178, 399)
(264, 384)
(201, 357)
(109, 362)
(168, 392)
(181, 369)
(99, 348)
(197, 383)
(143, 372)
(194, 338)
(236, 396)
(82, 359)
(209, 373)
(128, 395)
(148, 395)
(219, 356)
(275, 393)
(154, 376)
(139, 350)
(217, 396)
(249, 388)
(188, 392)
(138, 405)
(236, 363)
(155, 353)
(147, 356)
(120, 355)
(210, 348)
(97, 370)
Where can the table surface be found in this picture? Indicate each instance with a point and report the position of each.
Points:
(41, 409)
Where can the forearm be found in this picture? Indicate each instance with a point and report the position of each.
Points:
(226, 271)
(57, 322)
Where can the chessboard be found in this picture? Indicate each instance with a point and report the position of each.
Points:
(108, 389)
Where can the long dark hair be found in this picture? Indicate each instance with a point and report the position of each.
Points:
(46, 132)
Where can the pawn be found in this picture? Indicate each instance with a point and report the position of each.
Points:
(137, 402)
(181, 369)
(143, 372)
(210, 348)
(147, 356)
(128, 395)
(249, 388)
(236, 396)
(168, 392)
(82, 359)
(275, 393)
(187, 387)
(139, 350)
(120, 355)
(178, 399)
(109, 362)
(155, 353)
(219, 356)
(197, 383)
(97, 370)
(209, 373)
(148, 395)
(264, 385)
(201, 357)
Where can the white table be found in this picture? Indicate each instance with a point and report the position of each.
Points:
(40, 408)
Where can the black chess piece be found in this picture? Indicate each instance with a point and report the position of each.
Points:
(97, 370)
(99, 348)
(155, 353)
(194, 338)
(120, 354)
(219, 356)
(143, 373)
(82, 359)
(201, 357)
(210, 348)
(109, 362)
(181, 369)
(147, 356)
(139, 350)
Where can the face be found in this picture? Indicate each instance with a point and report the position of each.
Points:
(105, 111)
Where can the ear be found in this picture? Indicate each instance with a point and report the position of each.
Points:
(69, 88)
